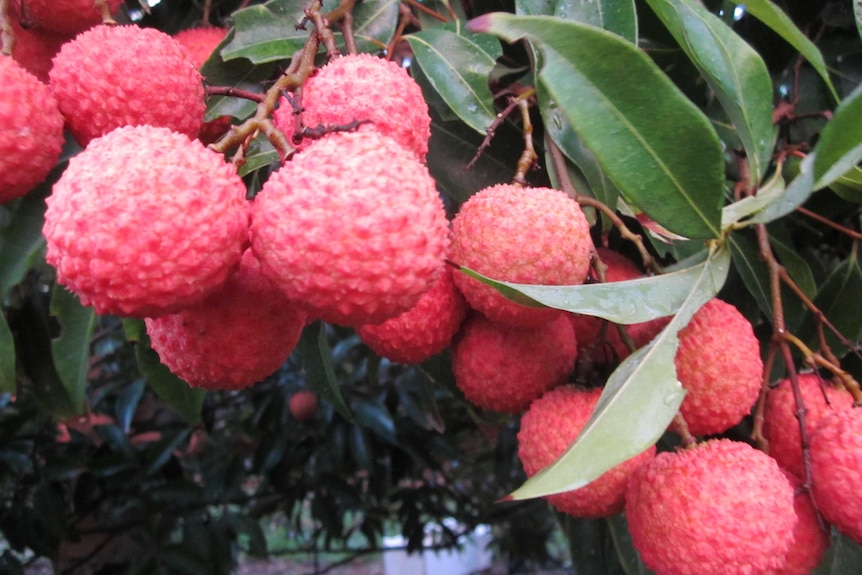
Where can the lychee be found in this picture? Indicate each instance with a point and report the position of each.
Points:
(303, 405)
(718, 363)
(354, 231)
(31, 130)
(810, 539)
(112, 76)
(504, 368)
(34, 49)
(549, 427)
(836, 461)
(716, 508)
(524, 235)
(145, 221)
(65, 16)
(424, 330)
(780, 426)
(362, 87)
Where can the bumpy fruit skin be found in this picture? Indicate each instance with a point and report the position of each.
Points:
(112, 76)
(303, 405)
(551, 424)
(364, 87)
(780, 426)
(65, 16)
(717, 508)
(504, 368)
(31, 130)
(810, 542)
(422, 331)
(836, 462)
(145, 221)
(34, 49)
(718, 363)
(355, 231)
(524, 235)
(234, 338)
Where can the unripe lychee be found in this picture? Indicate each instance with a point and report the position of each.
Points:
(145, 221)
(549, 427)
(718, 363)
(424, 330)
(716, 508)
(112, 76)
(504, 368)
(780, 426)
(65, 16)
(836, 467)
(354, 231)
(31, 130)
(523, 235)
(362, 87)
(240, 334)
(303, 405)
(810, 540)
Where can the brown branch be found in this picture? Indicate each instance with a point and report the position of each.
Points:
(405, 17)
(491, 130)
(232, 92)
(7, 34)
(757, 430)
(427, 10)
(826, 221)
(528, 156)
(103, 7)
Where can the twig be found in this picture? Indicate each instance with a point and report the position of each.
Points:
(7, 34)
(528, 156)
(427, 10)
(232, 92)
(826, 221)
(491, 130)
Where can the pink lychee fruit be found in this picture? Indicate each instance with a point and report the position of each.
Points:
(65, 16)
(34, 49)
(362, 87)
(31, 130)
(112, 76)
(836, 470)
(504, 368)
(523, 235)
(424, 330)
(718, 363)
(780, 426)
(354, 231)
(810, 539)
(303, 405)
(716, 508)
(240, 334)
(145, 221)
(549, 427)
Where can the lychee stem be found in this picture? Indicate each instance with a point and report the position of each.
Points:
(232, 92)
(528, 156)
(7, 34)
(492, 129)
(105, 10)
(817, 360)
(680, 427)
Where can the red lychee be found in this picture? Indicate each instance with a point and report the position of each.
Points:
(65, 16)
(34, 49)
(362, 87)
(303, 405)
(718, 363)
(145, 221)
(524, 235)
(424, 330)
(717, 508)
(236, 337)
(112, 76)
(355, 231)
(780, 426)
(31, 130)
(836, 462)
(810, 540)
(549, 427)
(504, 368)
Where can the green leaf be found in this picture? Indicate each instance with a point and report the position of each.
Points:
(846, 556)
(260, 155)
(734, 71)
(657, 147)
(849, 186)
(629, 557)
(267, 32)
(640, 399)
(7, 357)
(374, 23)
(240, 74)
(770, 192)
(535, 7)
(838, 300)
(799, 190)
(839, 148)
(617, 16)
(21, 240)
(755, 276)
(316, 358)
(71, 350)
(796, 266)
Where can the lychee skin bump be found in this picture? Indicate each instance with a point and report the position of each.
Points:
(65, 16)
(810, 539)
(355, 231)
(145, 221)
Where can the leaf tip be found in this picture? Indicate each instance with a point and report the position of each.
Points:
(480, 24)
(505, 499)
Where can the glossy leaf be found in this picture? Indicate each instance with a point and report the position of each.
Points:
(839, 148)
(7, 357)
(374, 23)
(71, 350)
(736, 74)
(267, 32)
(21, 241)
(638, 402)
(657, 147)
(238, 73)
(849, 186)
(617, 16)
(316, 358)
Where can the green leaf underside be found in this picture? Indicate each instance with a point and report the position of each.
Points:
(734, 71)
(665, 158)
(770, 192)
(71, 350)
(7, 357)
(796, 193)
(849, 186)
(638, 402)
(617, 16)
(316, 358)
(839, 148)
(747, 262)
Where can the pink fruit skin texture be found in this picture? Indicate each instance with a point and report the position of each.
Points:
(810, 542)
(65, 16)
(354, 231)
(34, 49)
(549, 427)
(780, 426)
(145, 221)
(524, 235)
(234, 338)
(718, 363)
(112, 76)
(504, 368)
(836, 461)
(363, 87)
(720, 507)
(422, 331)
(31, 130)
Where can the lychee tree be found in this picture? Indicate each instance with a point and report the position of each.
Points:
(358, 265)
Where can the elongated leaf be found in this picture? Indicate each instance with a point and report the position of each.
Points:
(21, 241)
(267, 32)
(7, 357)
(374, 23)
(849, 186)
(770, 192)
(755, 276)
(657, 147)
(837, 299)
(799, 190)
(316, 358)
(639, 400)
(839, 148)
(617, 16)
(71, 350)
(535, 7)
(734, 71)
